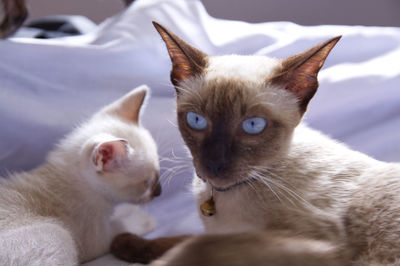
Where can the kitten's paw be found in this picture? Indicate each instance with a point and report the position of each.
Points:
(131, 218)
(144, 224)
(132, 248)
(149, 225)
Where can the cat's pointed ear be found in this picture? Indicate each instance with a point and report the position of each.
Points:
(299, 72)
(107, 156)
(128, 107)
(187, 61)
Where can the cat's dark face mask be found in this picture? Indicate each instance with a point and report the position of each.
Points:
(237, 114)
(231, 140)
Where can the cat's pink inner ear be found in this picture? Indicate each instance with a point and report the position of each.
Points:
(108, 156)
(187, 61)
(300, 72)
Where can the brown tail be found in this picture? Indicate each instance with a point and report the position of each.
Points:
(14, 15)
(134, 248)
(261, 248)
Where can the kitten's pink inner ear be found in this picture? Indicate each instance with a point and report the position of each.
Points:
(108, 156)
(299, 72)
(187, 61)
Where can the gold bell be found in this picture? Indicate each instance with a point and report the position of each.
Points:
(208, 207)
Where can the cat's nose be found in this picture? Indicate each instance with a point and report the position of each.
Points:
(215, 167)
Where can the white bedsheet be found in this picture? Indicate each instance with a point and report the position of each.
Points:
(47, 87)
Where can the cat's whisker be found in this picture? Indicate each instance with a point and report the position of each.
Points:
(266, 104)
(191, 91)
(283, 185)
(174, 157)
(170, 160)
(188, 104)
(286, 188)
(167, 180)
(171, 172)
(172, 165)
(188, 158)
(259, 177)
(250, 182)
(289, 192)
(188, 90)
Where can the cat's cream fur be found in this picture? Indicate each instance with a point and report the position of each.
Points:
(59, 213)
(306, 199)
(287, 195)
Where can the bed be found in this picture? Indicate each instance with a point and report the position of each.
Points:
(48, 86)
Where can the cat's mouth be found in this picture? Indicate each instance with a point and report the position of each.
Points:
(227, 187)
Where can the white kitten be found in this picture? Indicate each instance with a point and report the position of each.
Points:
(58, 214)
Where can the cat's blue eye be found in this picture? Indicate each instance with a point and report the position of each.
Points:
(196, 121)
(254, 125)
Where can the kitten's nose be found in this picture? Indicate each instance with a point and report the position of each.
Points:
(157, 188)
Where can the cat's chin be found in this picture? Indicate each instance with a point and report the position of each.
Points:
(223, 186)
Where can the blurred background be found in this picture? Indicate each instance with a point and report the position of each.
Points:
(304, 12)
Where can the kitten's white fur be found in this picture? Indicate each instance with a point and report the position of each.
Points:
(58, 214)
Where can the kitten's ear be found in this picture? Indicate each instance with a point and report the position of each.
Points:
(107, 156)
(187, 61)
(299, 72)
(128, 107)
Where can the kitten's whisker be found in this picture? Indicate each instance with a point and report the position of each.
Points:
(175, 156)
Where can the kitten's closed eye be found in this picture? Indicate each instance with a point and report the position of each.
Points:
(254, 125)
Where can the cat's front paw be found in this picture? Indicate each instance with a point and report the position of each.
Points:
(132, 248)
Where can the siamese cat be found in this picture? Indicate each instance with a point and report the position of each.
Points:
(59, 213)
(271, 190)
